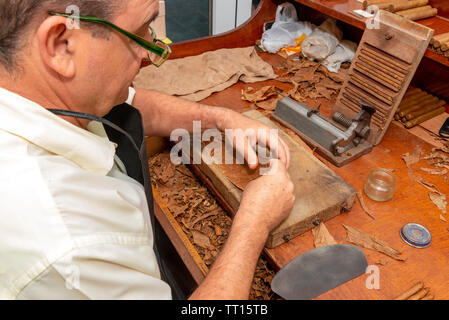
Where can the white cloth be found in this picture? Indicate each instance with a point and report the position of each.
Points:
(345, 52)
(72, 225)
(323, 41)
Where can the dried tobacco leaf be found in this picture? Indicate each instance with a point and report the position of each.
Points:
(413, 158)
(364, 207)
(201, 239)
(437, 172)
(429, 186)
(322, 237)
(256, 95)
(371, 242)
(439, 200)
(269, 104)
(382, 262)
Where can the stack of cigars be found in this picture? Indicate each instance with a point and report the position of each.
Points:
(440, 44)
(410, 9)
(418, 106)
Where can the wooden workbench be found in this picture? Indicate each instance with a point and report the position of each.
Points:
(411, 202)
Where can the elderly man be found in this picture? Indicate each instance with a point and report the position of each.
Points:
(75, 220)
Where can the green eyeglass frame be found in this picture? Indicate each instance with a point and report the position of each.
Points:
(159, 52)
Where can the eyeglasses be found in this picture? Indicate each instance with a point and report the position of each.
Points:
(158, 51)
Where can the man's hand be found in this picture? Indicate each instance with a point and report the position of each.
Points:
(265, 203)
(269, 199)
(252, 132)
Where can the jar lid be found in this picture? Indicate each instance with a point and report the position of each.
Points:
(416, 235)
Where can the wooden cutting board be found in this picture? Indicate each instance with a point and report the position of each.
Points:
(320, 193)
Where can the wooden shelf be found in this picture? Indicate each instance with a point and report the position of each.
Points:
(339, 9)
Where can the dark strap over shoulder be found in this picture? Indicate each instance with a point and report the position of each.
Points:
(123, 125)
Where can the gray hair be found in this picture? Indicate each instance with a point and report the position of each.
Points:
(17, 17)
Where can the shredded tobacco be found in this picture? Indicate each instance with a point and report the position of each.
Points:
(201, 218)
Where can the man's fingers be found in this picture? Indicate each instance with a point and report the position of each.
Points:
(274, 166)
(250, 155)
(287, 153)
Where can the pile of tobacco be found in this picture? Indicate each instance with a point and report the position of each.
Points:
(310, 80)
(201, 218)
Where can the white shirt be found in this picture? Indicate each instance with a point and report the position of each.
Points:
(72, 225)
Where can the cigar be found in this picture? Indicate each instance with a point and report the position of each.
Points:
(420, 294)
(425, 117)
(417, 104)
(428, 297)
(425, 109)
(436, 40)
(368, 3)
(444, 46)
(405, 5)
(418, 13)
(408, 101)
(412, 97)
(411, 91)
(410, 292)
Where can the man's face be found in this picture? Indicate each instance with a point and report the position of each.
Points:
(111, 65)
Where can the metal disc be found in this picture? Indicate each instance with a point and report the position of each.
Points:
(416, 235)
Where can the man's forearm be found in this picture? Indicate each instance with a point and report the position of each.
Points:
(232, 273)
(163, 113)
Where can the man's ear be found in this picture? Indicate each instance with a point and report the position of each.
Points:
(56, 46)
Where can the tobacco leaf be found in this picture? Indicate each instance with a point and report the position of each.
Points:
(322, 237)
(364, 207)
(201, 239)
(429, 186)
(269, 104)
(438, 172)
(382, 262)
(369, 241)
(413, 158)
(439, 200)
(256, 95)
(239, 174)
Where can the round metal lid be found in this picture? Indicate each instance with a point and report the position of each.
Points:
(416, 235)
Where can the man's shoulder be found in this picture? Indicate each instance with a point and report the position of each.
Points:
(56, 193)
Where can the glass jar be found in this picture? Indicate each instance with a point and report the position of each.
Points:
(380, 184)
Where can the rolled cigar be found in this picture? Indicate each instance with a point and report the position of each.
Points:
(410, 292)
(425, 109)
(438, 38)
(418, 13)
(417, 104)
(408, 101)
(410, 91)
(428, 297)
(368, 3)
(420, 294)
(425, 117)
(412, 97)
(444, 45)
(404, 5)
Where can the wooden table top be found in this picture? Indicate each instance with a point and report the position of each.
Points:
(411, 203)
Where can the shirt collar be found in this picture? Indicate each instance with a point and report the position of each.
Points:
(30, 121)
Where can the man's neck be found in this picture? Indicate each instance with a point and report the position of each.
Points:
(46, 98)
